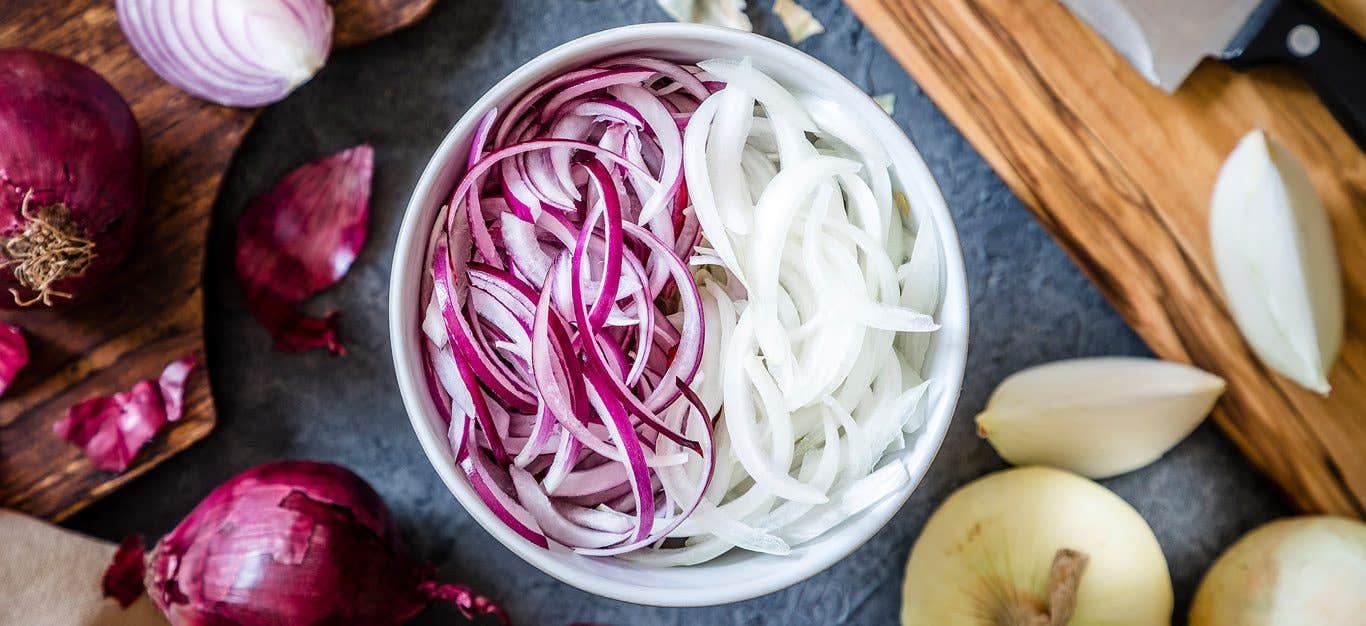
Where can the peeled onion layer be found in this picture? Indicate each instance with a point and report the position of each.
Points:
(13, 354)
(1303, 571)
(1273, 248)
(112, 429)
(1098, 417)
(1032, 546)
(71, 179)
(300, 238)
(810, 280)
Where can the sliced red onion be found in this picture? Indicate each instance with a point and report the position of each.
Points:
(111, 429)
(241, 53)
(13, 354)
(475, 358)
(483, 477)
(300, 238)
(557, 310)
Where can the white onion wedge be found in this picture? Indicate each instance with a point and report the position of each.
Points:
(1098, 416)
(1273, 247)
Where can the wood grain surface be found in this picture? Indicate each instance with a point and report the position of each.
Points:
(153, 311)
(1121, 173)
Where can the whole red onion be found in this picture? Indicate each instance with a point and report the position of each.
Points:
(298, 543)
(71, 181)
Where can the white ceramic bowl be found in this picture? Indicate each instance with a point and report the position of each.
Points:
(737, 575)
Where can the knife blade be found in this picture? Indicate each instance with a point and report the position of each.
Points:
(1166, 39)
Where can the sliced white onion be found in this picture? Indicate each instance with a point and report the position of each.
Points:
(811, 287)
(241, 53)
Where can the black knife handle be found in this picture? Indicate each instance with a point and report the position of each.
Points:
(1328, 52)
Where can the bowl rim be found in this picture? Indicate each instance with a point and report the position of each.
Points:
(917, 458)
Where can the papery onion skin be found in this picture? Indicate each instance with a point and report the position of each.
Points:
(13, 354)
(300, 238)
(112, 429)
(299, 543)
(728, 13)
(984, 556)
(71, 178)
(122, 580)
(240, 53)
(799, 22)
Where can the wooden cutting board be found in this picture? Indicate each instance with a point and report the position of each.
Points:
(1121, 174)
(153, 312)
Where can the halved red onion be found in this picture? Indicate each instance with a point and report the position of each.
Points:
(241, 53)
(300, 238)
(112, 429)
(549, 333)
(13, 354)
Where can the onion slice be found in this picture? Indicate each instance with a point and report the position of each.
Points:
(810, 299)
(562, 327)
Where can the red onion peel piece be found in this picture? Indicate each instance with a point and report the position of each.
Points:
(122, 580)
(13, 354)
(112, 429)
(300, 238)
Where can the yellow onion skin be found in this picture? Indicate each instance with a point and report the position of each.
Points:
(984, 557)
(299, 543)
(69, 140)
(1302, 571)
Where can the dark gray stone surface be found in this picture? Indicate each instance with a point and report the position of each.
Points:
(1029, 305)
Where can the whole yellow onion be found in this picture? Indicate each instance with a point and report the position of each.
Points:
(1036, 546)
(1304, 571)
